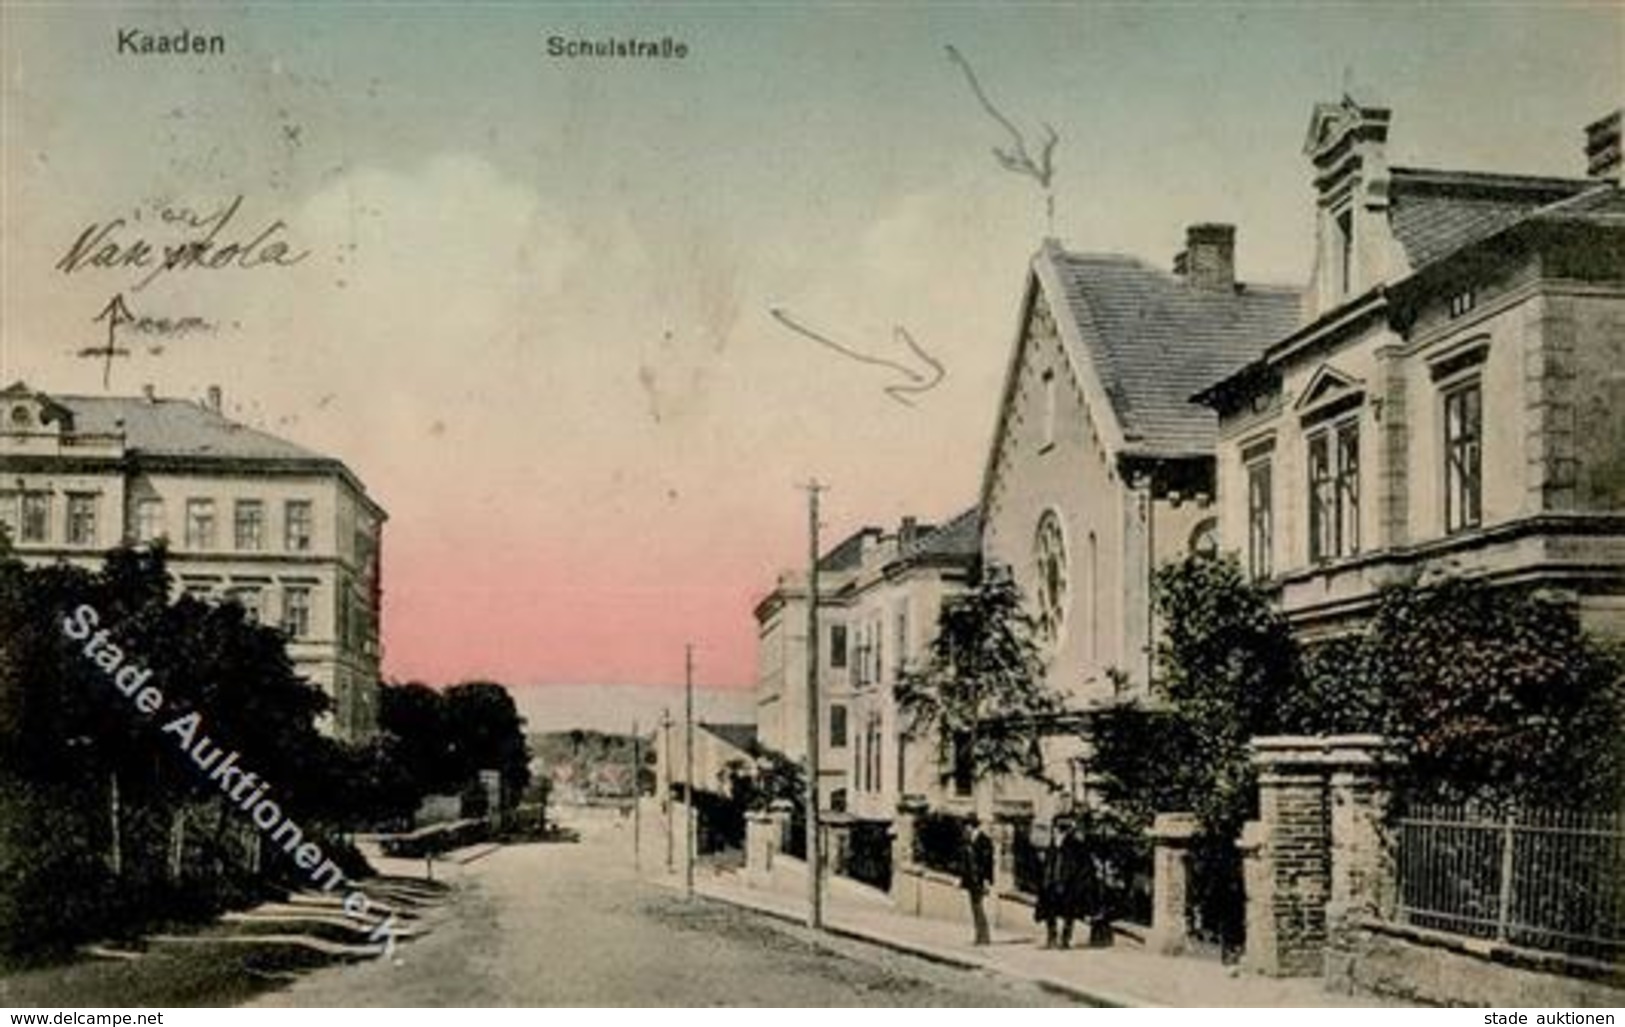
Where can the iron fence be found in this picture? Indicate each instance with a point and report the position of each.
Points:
(1552, 880)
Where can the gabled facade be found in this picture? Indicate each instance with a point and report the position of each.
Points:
(289, 534)
(1100, 468)
(1456, 396)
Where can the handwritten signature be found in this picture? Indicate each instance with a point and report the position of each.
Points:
(108, 245)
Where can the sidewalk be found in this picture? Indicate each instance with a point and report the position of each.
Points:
(1118, 976)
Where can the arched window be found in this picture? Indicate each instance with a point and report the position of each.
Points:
(1204, 540)
(1051, 577)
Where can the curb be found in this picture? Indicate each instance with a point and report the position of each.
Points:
(1090, 996)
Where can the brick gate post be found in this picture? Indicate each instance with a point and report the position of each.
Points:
(1288, 852)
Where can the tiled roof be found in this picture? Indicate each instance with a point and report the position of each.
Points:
(847, 555)
(1435, 213)
(1154, 340)
(177, 428)
(740, 736)
(961, 536)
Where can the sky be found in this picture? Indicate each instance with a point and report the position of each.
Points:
(534, 313)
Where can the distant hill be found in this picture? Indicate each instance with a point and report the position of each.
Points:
(583, 763)
(613, 708)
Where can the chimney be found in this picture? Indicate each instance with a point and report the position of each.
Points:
(906, 532)
(215, 399)
(149, 393)
(1209, 259)
(1602, 146)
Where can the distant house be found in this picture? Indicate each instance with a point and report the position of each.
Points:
(289, 534)
(879, 596)
(1101, 468)
(719, 751)
(1455, 398)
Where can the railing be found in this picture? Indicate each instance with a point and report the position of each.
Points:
(1542, 879)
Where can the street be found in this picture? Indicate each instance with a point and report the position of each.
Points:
(570, 924)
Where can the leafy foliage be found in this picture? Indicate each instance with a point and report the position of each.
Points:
(437, 742)
(1228, 664)
(982, 694)
(1493, 694)
(70, 743)
(1497, 694)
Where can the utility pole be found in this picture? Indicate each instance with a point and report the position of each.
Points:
(688, 772)
(815, 855)
(665, 800)
(637, 799)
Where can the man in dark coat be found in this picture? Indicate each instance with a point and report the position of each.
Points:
(1066, 890)
(976, 874)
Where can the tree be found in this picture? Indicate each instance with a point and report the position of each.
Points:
(982, 694)
(439, 741)
(1228, 666)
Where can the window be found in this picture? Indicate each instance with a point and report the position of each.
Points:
(8, 515)
(1260, 519)
(1049, 409)
(1051, 575)
(878, 633)
(299, 522)
(1345, 251)
(296, 611)
(1204, 538)
(964, 771)
(200, 524)
(837, 646)
(1334, 492)
(1463, 457)
(249, 523)
(149, 520)
(81, 520)
(36, 516)
(902, 641)
(1463, 302)
(837, 726)
(876, 753)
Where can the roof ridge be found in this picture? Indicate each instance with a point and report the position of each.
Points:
(1509, 179)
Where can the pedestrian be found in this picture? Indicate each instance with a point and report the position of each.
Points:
(1064, 889)
(1098, 883)
(976, 874)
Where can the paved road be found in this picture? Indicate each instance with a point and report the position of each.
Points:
(570, 925)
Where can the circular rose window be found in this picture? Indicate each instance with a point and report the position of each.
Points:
(1050, 574)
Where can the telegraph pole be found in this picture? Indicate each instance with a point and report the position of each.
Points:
(688, 772)
(815, 855)
(637, 800)
(671, 848)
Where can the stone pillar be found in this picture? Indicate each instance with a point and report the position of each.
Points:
(1003, 833)
(902, 850)
(1315, 855)
(1172, 834)
(762, 833)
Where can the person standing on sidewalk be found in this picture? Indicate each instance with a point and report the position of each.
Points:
(1065, 888)
(976, 874)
